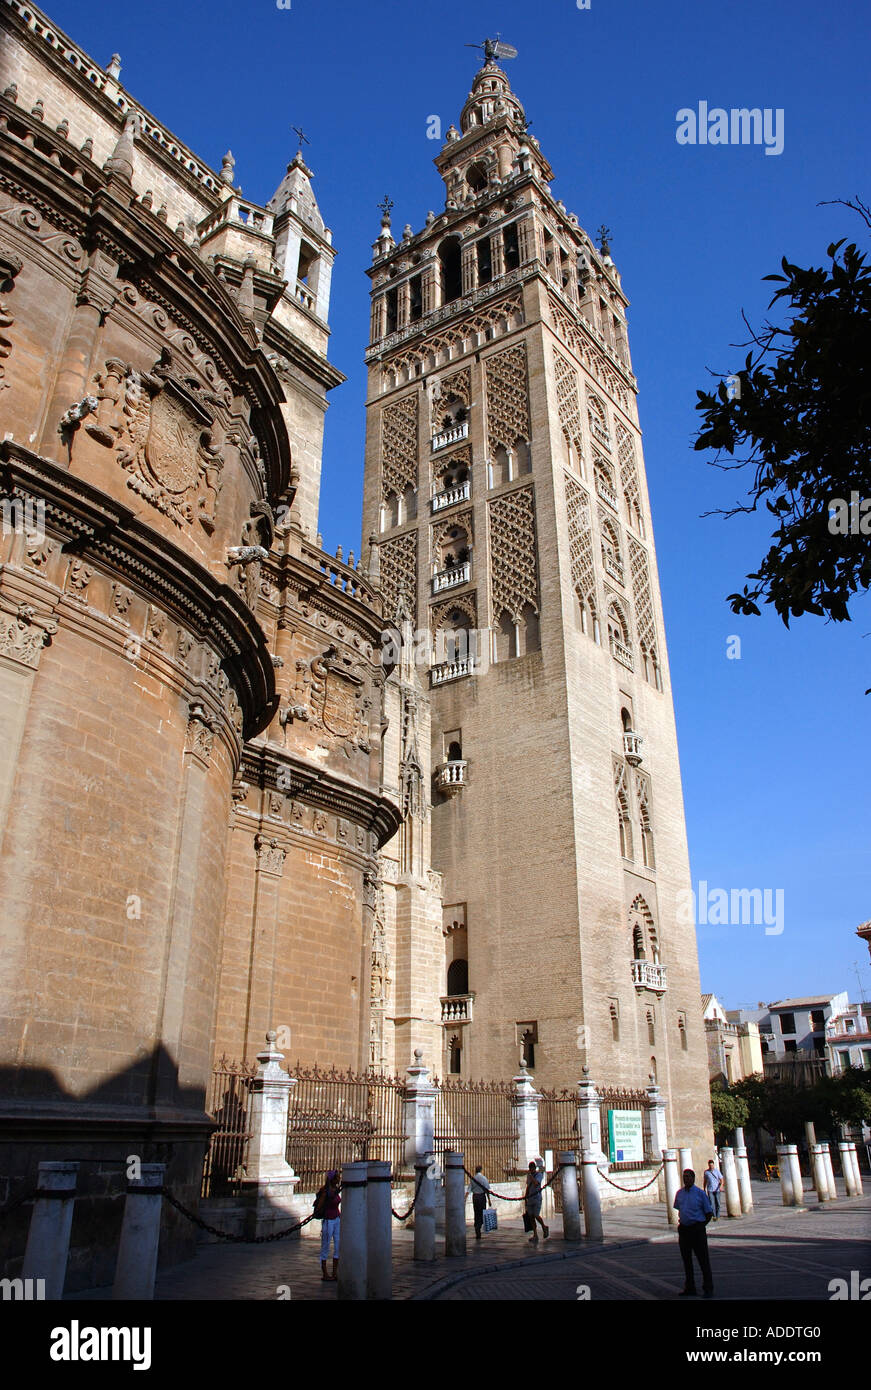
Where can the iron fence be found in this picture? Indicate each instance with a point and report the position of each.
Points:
(477, 1118)
(339, 1117)
(228, 1146)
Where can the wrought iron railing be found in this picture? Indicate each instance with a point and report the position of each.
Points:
(228, 1146)
(339, 1117)
(477, 1117)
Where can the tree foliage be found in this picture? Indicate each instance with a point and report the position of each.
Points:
(729, 1111)
(783, 1108)
(800, 418)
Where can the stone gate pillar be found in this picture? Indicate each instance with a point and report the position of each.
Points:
(589, 1119)
(418, 1111)
(269, 1182)
(525, 1108)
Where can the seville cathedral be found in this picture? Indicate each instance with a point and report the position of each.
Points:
(425, 796)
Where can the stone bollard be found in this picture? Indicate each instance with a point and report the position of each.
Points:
(730, 1182)
(136, 1266)
(820, 1176)
(455, 1204)
(424, 1211)
(48, 1240)
(795, 1171)
(592, 1197)
(847, 1168)
(745, 1190)
(685, 1160)
(829, 1171)
(786, 1189)
(854, 1168)
(354, 1231)
(571, 1209)
(672, 1184)
(379, 1231)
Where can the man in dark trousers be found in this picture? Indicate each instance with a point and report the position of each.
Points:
(695, 1210)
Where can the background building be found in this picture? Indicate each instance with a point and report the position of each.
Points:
(734, 1049)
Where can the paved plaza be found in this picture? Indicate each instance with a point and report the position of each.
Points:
(774, 1253)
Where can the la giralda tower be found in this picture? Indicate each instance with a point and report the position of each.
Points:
(505, 487)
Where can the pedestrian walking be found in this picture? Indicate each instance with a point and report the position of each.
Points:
(695, 1211)
(533, 1203)
(326, 1209)
(479, 1187)
(713, 1185)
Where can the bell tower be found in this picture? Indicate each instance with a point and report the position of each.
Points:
(505, 489)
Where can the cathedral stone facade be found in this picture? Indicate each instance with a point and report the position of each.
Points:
(505, 483)
(233, 796)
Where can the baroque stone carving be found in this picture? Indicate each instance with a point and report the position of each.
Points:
(330, 693)
(23, 635)
(200, 733)
(165, 436)
(270, 855)
(513, 563)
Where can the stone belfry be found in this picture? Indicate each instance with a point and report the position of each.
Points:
(506, 488)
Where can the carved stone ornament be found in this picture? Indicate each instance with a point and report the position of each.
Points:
(337, 697)
(270, 855)
(200, 733)
(23, 635)
(165, 436)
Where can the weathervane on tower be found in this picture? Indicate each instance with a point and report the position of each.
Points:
(494, 48)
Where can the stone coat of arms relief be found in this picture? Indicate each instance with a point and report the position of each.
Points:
(166, 435)
(329, 695)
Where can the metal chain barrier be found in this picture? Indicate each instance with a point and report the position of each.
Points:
(640, 1187)
(503, 1197)
(226, 1235)
(403, 1216)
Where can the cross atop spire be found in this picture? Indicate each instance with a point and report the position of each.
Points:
(303, 138)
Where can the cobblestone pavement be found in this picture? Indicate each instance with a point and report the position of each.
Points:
(773, 1253)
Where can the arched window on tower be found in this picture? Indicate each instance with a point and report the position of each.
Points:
(651, 1028)
(499, 467)
(505, 638)
(458, 977)
(455, 1050)
(451, 264)
(530, 633)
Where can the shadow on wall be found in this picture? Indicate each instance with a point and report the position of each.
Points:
(140, 1111)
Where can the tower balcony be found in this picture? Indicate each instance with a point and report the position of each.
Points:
(455, 435)
(607, 494)
(632, 747)
(452, 578)
(600, 433)
(614, 567)
(304, 296)
(621, 653)
(648, 974)
(450, 496)
(447, 671)
(451, 777)
(457, 1008)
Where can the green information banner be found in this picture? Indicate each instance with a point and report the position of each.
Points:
(625, 1136)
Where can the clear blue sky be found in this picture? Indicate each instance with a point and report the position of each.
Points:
(774, 746)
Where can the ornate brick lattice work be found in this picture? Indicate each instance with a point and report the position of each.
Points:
(452, 339)
(441, 531)
(457, 386)
(598, 420)
(581, 546)
(567, 402)
(399, 446)
(644, 622)
(454, 612)
(595, 361)
(629, 475)
(507, 398)
(624, 817)
(513, 563)
(445, 463)
(398, 558)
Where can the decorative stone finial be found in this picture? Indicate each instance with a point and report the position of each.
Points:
(407, 232)
(113, 67)
(228, 164)
(63, 129)
(37, 110)
(418, 1056)
(586, 1073)
(271, 1036)
(88, 148)
(120, 162)
(11, 92)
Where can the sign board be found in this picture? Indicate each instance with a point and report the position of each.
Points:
(548, 1160)
(625, 1136)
